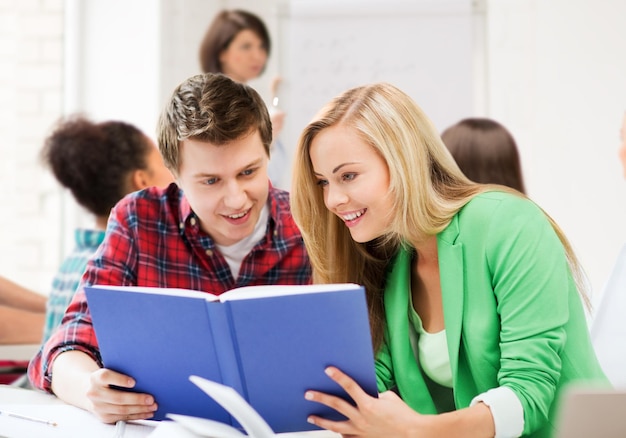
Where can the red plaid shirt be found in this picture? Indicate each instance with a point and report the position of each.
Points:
(154, 239)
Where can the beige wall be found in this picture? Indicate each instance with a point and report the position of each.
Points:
(31, 88)
(555, 76)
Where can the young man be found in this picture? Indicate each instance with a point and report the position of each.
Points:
(223, 226)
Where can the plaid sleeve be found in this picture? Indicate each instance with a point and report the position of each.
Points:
(110, 265)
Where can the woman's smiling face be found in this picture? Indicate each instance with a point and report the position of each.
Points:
(355, 181)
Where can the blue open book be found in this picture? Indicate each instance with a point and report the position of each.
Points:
(269, 343)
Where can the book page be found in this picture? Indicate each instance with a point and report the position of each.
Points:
(250, 420)
(161, 291)
(206, 428)
(247, 292)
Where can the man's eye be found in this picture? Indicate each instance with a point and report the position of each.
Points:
(210, 181)
(248, 172)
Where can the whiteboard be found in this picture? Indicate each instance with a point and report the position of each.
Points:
(432, 50)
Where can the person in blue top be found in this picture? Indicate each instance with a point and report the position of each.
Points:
(99, 163)
(475, 295)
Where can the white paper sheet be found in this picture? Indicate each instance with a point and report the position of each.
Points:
(71, 422)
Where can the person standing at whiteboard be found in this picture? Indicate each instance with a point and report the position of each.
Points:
(238, 45)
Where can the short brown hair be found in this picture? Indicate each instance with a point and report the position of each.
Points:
(213, 108)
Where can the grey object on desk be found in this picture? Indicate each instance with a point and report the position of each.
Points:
(597, 413)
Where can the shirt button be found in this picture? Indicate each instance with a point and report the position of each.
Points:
(181, 225)
(209, 252)
(275, 233)
(193, 221)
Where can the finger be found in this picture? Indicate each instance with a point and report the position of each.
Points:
(112, 410)
(106, 378)
(111, 403)
(336, 403)
(106, 384)
(345, 428)
(348, 384)
(113, 417)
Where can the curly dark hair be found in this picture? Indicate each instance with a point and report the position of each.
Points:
(95, 160)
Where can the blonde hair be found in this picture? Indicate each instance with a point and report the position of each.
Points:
(426, 186)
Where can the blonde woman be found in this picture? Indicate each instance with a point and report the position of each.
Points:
(476, 317)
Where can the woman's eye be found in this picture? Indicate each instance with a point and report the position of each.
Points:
(322, 182)
(348, 176)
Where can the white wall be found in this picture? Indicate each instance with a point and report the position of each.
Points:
(31, 85)
(557, 79)
(555, 76)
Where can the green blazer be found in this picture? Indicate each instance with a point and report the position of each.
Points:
(513, 315)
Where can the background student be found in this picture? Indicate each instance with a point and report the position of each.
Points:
(22, 313)
(222, 227)
(99, 163)
(478, 317)
(238, 44)
(485, 151)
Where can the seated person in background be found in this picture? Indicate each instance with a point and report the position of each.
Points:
(223, 226)
(476, 315)
(485, 151)
(99, 163)
(22, 313)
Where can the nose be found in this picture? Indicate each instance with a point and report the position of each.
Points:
(235, 196)
(334, 197)
(260, 54)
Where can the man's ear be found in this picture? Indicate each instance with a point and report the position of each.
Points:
(139, 179)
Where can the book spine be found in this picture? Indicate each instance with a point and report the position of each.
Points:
(225, 345)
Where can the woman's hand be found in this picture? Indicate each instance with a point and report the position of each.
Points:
(386, 415)
(110, 404)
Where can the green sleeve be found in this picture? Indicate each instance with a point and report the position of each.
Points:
(531, 281)
(384, 370)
